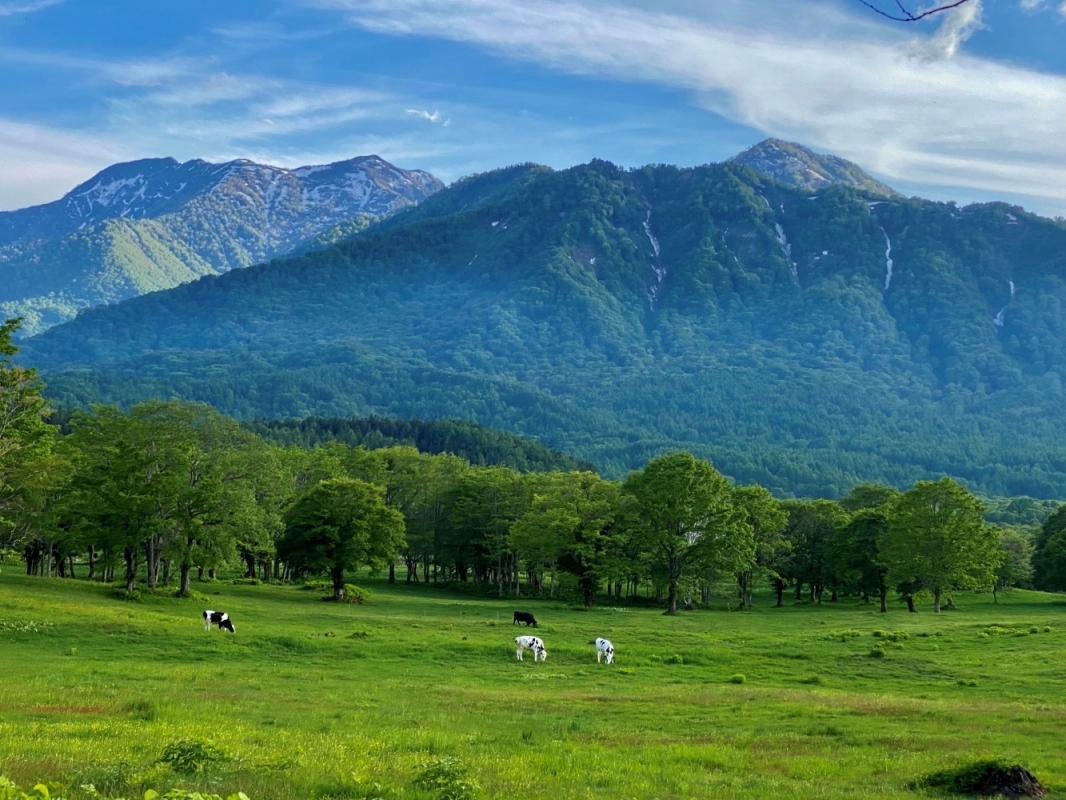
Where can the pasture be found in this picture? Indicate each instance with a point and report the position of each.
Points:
(314, 699)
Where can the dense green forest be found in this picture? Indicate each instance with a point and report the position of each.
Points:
(804, 342)
(167, 488)
(470, 441)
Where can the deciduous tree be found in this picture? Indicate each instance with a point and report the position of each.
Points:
(937, 539)
(684, 520)
(340, 525)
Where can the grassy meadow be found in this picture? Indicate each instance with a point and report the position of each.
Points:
(315, 699)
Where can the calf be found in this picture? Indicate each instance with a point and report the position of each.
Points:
(524, 616)
(220, 618)
(531, 643)
(603, 648)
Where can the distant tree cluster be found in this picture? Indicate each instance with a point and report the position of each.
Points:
(169, 488)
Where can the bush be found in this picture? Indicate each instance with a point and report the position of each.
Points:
(245, 582)
(447, 778)
(842, 636)
(878, 651)
(189, 756)
(738, 678)
(892, 636)
(675, 659)
(356, 596)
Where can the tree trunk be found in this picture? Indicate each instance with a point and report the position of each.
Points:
(338, 583)
(70, 558)
(268, 570)
(186, 578)
(153, 565)
(212, 574)
(167, 575)
(92, 562)
(131, 569)
(799, 590)
(392, 575)
(672, 600)
(779, 586)
(249, 564)
(995, 595)
(884, 599)
(936, 601)
(910, 605)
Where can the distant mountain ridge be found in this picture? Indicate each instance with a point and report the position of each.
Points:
(803, 340)
(152, 224)
(799, 166)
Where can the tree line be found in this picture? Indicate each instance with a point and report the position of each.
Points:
(167, 489)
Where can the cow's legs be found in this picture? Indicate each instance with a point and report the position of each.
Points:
(518, 653)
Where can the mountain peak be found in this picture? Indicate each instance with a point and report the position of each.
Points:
(163, 222)
(799, 166)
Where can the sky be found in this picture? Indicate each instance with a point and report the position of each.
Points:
(969, 105)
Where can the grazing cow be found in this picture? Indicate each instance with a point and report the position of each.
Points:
(530, 643)
(603, 648)
(526, 617)
(220, 618)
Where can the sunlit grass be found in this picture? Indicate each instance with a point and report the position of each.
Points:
(317, 699)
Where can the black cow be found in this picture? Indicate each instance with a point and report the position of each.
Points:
(526, 617)
(220, 618)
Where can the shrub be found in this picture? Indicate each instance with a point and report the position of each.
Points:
(966, 682)
(843, 636)
(245, 582)
(447, 778)
(813, 680)
(892, 636)
(356, 596)
(189, 756)
(656, 659)
(878, 651)
(738, 678)
(675, 659)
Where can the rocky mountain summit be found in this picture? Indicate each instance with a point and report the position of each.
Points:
(156, 223)
(798, 166)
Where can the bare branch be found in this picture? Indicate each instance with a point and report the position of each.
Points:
(910, 16)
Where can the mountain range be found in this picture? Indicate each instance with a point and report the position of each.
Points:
(156, 223)
(807, 340)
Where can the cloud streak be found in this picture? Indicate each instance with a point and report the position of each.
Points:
(11, 8)
(813, 74)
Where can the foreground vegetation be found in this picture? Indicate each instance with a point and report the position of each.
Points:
(326, 700)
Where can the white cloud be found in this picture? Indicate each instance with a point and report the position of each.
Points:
(27, 7)
(806, 72)
(433, 117)
(956, 27)
(42, 164)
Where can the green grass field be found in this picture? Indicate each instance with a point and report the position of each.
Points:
(314, 699)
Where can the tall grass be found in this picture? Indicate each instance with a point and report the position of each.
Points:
(322, 700)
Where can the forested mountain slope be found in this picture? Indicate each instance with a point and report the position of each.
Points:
(153, 224)
(804, 341)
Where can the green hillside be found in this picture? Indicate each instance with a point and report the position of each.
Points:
(804, 342)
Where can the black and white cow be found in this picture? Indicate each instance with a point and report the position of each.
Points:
(220, 618)
(603, 648)
(530, 643)
(526, 617)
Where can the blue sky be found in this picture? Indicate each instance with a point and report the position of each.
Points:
(969, 106)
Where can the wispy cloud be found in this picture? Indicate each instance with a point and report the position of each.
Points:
(43, 163)
(26, 7)
(956, 27)
(811, 73)
(429, 116)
